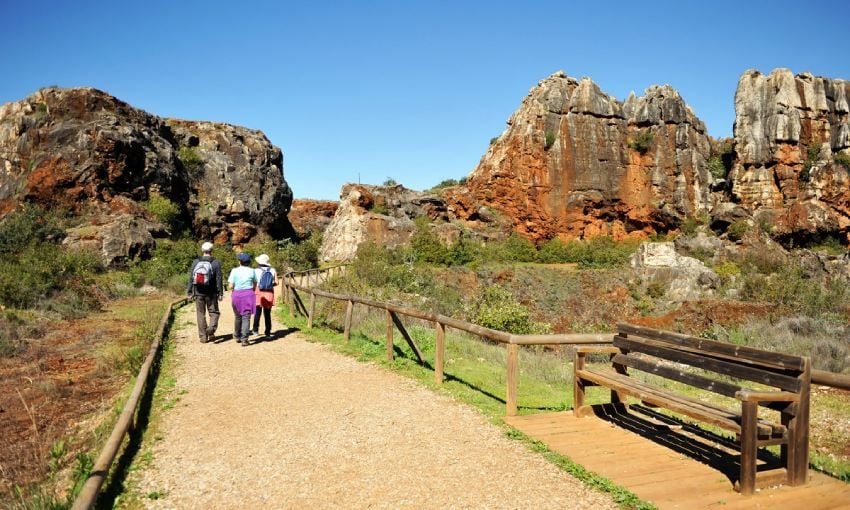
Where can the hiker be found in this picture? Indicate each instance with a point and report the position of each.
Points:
(266, 282)
(206, 289)
(243, 282)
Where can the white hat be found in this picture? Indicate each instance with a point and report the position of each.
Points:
(262, 260)
(207, 247)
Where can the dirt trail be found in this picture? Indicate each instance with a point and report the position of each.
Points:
(290, 424)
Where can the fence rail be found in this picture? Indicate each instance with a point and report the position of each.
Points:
(512, 341)
(100, 470)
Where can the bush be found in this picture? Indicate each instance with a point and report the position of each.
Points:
(390, 182)
(551, 136)
(28, 225)
(191, 160)
(641, 141)
(716, 167)
(553, 251)
(600, 252)
(301, 254)
(496, 308)
(169, 259)
(737, 230)
(513, 249)
(494, 140)
(164, 210)
(843, 159)
(447, 183)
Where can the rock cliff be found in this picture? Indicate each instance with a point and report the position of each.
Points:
(309, 216)
(575, 162)
(792, 145)
(88, 152)
(383, 215)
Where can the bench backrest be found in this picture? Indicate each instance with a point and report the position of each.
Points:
(783, 371)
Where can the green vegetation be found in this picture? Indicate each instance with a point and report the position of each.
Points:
(812, 157)
(716, 167)
(737, 230)
(641, 141)
(843, 159)
(390, 182)
(496, 308)
(191, 160)
(164, 210)
(551, 136)
(447, 183)
(494, 140)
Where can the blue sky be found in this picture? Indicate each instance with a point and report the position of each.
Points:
(410, 90)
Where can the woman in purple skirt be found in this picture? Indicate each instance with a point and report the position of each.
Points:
(242, 281)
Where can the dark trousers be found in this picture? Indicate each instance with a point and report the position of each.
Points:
(267, 316)
(203, 305)
(241, 325)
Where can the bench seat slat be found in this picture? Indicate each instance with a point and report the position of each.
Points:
(739, 353)
(722, 417)
(660, 350)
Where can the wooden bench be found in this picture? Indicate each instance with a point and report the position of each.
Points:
(754, 377)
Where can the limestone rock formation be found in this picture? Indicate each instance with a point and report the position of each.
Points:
(86, 151)
(383, 215)
(575, 162)
(309, 216)
(791, 134)
(683, 278)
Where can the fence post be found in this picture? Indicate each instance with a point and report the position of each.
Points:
(513, 375)
(349, 309)
(389, 336)
(312, 310)
(290, 297)
(440, 353)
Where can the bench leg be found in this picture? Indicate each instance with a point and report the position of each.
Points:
(749, 419)
(798, 439)
(578, 386)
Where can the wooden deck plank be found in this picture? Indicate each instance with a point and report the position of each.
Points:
(645, 462)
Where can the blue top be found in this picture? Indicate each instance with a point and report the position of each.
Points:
(242, 278)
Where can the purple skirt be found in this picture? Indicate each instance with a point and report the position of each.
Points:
(244, 301)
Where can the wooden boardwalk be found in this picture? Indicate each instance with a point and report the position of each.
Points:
(670, 464)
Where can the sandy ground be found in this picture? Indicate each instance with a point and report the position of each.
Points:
(290, 424)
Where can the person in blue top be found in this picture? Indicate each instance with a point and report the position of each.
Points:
(242, 281)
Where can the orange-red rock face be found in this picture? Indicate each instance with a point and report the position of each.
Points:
(571, 164)
(311, 215)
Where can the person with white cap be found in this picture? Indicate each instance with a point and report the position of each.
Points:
(206, 288)
(267, 280)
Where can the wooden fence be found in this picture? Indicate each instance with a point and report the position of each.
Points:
(100, 470)
(511, 341)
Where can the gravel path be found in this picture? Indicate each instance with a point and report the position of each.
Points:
(291, 424)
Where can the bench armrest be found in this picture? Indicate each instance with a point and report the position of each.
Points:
(766, 396)
(597, 349)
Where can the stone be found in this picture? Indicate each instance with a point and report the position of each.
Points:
(684, 278)
(308, 216)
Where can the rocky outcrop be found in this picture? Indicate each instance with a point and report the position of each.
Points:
(682, 278)
(791, 133)
(574, 162)
(309, 216)
(383, 215)
(92, 154)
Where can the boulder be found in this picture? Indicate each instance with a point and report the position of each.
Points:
(309, 216)
(684, 278)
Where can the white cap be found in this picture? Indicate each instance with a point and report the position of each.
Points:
(262, 260)
(207, 247)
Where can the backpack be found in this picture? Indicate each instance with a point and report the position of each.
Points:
(203, 273)
(267, 279)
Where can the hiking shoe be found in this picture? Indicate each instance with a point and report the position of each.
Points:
(203, 338)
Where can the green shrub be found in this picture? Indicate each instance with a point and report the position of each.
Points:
(600, 252)
(513, 249)
(737, 230)
(843, 159)
(301, 254)
(169, 259)
(390, 182)
(164, 210)
(551, 136)
(27, 225)
(496, 308)
(425, 245)
(795, 289)
(641, 141)
(553, 251)
(716, 167)
(379, 208)
(191, 160)
(447, 183)
(494, 140)
(460, 253)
